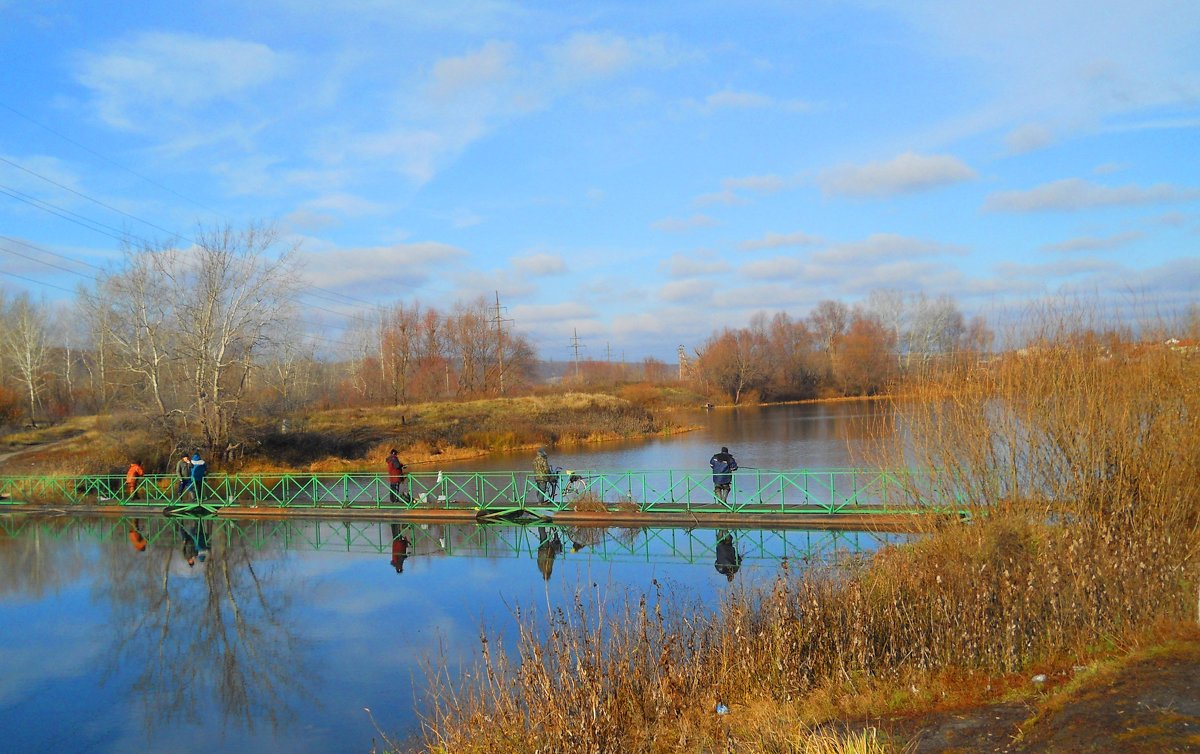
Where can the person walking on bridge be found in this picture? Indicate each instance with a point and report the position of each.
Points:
(183, 470)
(199, 469)
(133, 479)
(723, 465)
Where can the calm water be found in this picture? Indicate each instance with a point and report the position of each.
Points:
(285, 633)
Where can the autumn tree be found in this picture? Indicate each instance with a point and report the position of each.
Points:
(734, 362)
(863, 364)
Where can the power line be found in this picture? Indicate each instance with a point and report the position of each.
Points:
(44, 262)
(124, 235)
(66, 214)
(92, 199)
(44, 250)
(110, 161)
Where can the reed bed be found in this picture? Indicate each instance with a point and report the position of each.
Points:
(1079, 462)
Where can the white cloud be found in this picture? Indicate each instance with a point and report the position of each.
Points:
(378, 269)
(759, 184)
(1060, 269)
(592, 55)
(1077, 194)
(1089, 243)
(693, 290)
(149, 76)
(770, 269)
(906, 173)
(552, 314)
(691, 265)
(466, 74)
(1028, 138)
(730, 99)
(679, 225)
(883, 246)
(779, 240)
(540, 264)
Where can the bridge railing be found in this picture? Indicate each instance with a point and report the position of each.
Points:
(751, 490)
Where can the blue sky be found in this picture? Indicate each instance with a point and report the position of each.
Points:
(638, 173)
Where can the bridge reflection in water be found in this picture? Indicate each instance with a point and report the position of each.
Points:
(609, 544)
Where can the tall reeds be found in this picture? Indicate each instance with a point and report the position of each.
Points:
(1078, 459)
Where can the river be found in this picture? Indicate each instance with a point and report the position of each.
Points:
(118, 635)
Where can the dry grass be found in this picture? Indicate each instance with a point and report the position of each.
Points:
(1080, 465)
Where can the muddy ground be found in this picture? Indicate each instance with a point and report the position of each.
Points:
(1146, 705)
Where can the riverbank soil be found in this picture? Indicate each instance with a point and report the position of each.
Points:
(1147, 703)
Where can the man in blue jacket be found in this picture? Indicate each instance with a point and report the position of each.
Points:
(199, 469)
(723, 465)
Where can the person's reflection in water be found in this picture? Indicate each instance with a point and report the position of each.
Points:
(200, 533)
(195, 543)
(189, 547)
(399, 548)
(135, 535)
(728, 559)
(549, 546)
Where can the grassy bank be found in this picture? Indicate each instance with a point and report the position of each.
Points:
(350, 439)
(1081, 466)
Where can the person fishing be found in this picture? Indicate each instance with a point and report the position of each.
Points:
(395, 471)
(723, 465)
(543, 476)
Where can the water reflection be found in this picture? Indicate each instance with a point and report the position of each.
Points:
(196, 623)
(728, 559)
(286, 630)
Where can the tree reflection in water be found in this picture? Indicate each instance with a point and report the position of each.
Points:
(212, 632)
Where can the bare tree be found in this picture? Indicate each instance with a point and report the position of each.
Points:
(186, 325)
(25, 342)
(235, 289)
(937, 327)
(134, 316)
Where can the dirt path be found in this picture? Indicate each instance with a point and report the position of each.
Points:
(1147, 705)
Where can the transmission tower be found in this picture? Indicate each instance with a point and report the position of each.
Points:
(575, 346)
(498, 320)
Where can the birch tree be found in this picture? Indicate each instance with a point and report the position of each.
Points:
(25, 342)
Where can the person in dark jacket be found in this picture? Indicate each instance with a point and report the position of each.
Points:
(395, 471)
(728, 559)
(723, 465)
(183, 470)
(199, 469)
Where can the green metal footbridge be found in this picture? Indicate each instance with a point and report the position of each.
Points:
(570, 496)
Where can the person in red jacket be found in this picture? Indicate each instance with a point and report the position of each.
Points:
(132, 477)
(395, 477)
